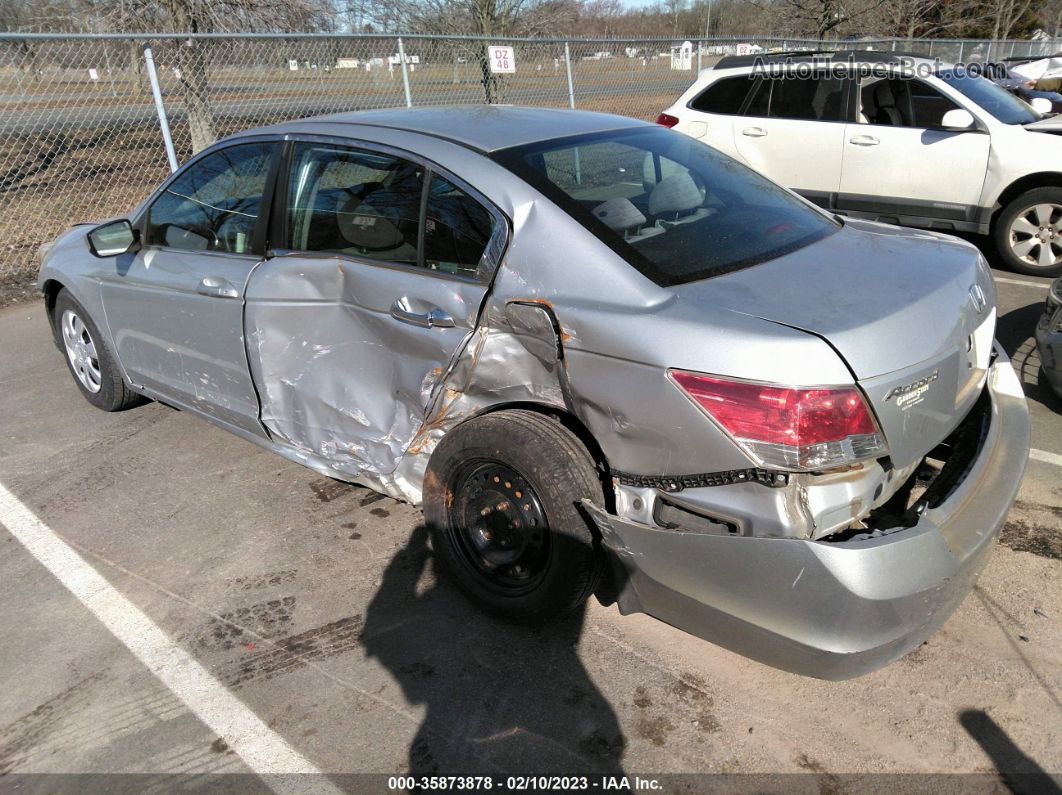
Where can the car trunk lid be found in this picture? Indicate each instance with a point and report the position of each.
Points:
(911, 313)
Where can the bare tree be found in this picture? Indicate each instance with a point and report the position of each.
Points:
(673, 9)
(1051, 18)
(191, 58)
(819, 17)
(1005, 15)
(499, 18)
(599, 17)
(912, 19)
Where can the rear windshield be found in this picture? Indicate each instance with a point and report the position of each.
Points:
(674, 208)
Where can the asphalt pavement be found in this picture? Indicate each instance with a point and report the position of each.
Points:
(174, 600)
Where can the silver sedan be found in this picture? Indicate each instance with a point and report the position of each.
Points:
(605, 357)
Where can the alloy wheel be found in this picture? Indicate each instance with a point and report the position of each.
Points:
(1036, 235)
(81, 351)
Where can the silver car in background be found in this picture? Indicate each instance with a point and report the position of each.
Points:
(605, 357)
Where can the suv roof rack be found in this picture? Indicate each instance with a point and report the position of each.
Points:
(870, 56)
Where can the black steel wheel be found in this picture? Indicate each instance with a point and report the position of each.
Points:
(502, 531)
(503, 498)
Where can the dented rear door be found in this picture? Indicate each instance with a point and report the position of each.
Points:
(352, 325)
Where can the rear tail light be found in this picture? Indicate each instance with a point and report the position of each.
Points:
(667, 120)
(789, 427)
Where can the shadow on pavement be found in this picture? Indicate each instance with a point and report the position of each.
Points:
(1020, 773)
(500, 698)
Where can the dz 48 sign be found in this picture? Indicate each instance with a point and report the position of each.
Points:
(502, 60)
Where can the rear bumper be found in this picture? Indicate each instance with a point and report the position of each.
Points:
(831, 610)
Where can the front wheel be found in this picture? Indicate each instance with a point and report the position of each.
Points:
(1028, 233)
(88, 358)
(502, 497)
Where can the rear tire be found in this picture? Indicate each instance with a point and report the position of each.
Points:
(502, 498)
(1028, 233)
(88, 357)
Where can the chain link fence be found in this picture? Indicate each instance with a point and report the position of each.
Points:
(81, 135)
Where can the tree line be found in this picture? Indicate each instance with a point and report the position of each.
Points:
(608, 18)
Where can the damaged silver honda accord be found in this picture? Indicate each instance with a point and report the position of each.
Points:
(604, 356)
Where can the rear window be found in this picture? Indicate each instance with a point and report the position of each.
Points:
(674, 208)
(814, 99)
(724, 97)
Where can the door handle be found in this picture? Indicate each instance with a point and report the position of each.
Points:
(216, 287)
(864, 140)
(754, 132)
(433, 318)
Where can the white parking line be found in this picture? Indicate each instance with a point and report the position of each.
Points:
(262, 750)
(1046, 457)
(1022, 282)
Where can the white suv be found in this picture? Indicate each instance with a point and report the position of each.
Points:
(892, 138)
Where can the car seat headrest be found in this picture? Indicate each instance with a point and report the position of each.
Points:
(365, 227)
(675, 193)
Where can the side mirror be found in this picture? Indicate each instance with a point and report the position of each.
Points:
(113, 238)
(958, 119)
(1041, 104)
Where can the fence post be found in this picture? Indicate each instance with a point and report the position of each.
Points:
(160, 109)
(700, 46)
(568, 67)
(405, 73)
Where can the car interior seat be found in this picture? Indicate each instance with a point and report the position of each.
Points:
(676, 199)
(368, 230)
(890, 103)
(620, 215)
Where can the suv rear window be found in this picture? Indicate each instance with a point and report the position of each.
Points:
(808, 98)
(724, 97)
(674, 208)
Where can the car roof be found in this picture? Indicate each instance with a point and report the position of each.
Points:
(486, 128)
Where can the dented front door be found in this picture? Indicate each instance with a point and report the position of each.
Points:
(175, 307)
(351, 326)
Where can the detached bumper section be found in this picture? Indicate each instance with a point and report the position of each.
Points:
(832, 610)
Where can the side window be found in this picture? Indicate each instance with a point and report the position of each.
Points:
(812, 99)
(457, 229)
(724, 97)
(902, 102)
(213, 205)
(761, 99)
(353, 201)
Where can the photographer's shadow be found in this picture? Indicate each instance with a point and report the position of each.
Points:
(501, 699)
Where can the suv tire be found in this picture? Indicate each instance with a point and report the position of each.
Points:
(1028, 232)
